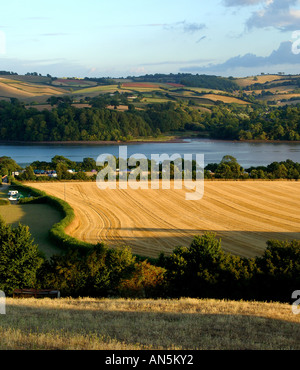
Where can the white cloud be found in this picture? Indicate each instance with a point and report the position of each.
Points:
(187, 27)
(280, 14)
(282, 56)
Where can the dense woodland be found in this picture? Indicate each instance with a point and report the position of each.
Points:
(68, 123)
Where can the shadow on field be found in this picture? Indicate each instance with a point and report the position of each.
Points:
(39, 217)
(156, 240)
(157, 329)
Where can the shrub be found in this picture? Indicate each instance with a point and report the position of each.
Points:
(147, 281)
(204, 270)
(278, 272)
(194, 271)
(97, 274)
(19, 258)
(4, 202)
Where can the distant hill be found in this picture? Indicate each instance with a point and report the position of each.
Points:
(202, 91)
(187, 79)
(24, 88)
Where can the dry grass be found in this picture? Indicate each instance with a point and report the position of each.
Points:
(19, 89)
(282, 89)
(224, 99)
(244, 214)
(283, 96)
(202, 89)
(118, 324)
(140, 84)
(260, 79)
(97, 89)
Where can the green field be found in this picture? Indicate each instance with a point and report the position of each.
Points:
(97, 89)
(39, 218)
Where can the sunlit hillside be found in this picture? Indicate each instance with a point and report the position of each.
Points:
(118, 324)
(275, 89)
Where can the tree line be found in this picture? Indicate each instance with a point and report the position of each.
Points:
(202, 270)
(228, 168)
(65, 122)
(188, 79)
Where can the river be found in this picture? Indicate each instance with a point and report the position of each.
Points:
(247, 153)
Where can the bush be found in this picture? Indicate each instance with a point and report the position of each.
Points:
(4, 202)
(97, 274)
(194, 271)
(19, 258)
(278, 272)
(204, 270)
(147, 281)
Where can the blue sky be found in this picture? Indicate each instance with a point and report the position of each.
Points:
(121, 38)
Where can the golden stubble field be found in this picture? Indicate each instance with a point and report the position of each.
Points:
(244, 214)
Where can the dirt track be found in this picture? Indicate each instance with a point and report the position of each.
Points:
(243, 214)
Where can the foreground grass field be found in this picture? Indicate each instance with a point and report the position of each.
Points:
(118, 324)
(244, 214)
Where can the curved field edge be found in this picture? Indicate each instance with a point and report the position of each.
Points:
(124, 324)
(57, 232)
(243, 214)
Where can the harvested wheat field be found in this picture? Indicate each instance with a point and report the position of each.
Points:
(244, 214)
(224, 99)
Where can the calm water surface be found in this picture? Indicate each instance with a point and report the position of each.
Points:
(247, 154)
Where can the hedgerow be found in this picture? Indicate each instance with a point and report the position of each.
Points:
(57, 232)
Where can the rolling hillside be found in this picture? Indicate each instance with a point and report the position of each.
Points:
(119, 324)
(275, 90)
(11, 88)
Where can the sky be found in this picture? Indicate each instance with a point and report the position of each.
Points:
(101, 38)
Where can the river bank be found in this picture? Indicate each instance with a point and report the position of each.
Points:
(131, 142)
(171, 140)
